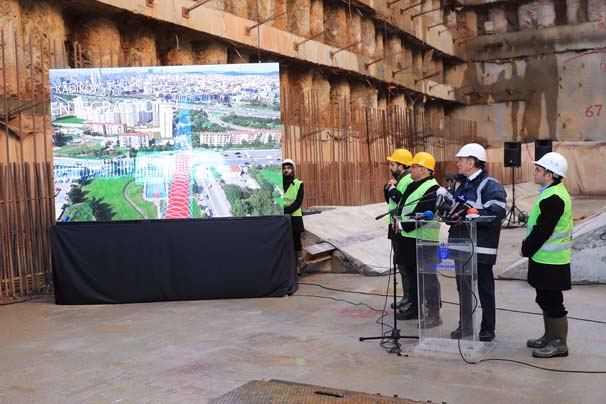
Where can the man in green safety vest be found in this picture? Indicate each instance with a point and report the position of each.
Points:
(420, 196)
(293, 200)
(399, 164)
(548, 244)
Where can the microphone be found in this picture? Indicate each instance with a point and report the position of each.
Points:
(389, 212)
(427, 215)
(458, 201)
(449, 178)
(442, 194)
(472, 214)
(464, 208)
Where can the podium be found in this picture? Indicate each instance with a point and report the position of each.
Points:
(449, 261)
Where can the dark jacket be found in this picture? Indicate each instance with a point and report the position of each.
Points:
(406, 247)
(395, 196)
(546, 276)
(489, 197)
(296, 221)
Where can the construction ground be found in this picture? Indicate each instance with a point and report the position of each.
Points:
(191, 352)
(195, 351)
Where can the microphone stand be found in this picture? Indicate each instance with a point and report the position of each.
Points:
(395, 335)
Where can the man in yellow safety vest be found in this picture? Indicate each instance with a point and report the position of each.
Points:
(399, 167)
(548, 245)
(293, 200)
(419, 197)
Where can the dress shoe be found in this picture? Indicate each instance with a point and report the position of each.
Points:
(432, 320)
(411, 313)
(486, 335)
(405, 301)
(461, 333)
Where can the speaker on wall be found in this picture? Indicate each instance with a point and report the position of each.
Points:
(513, 154)
(542, 147)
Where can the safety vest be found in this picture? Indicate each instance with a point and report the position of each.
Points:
(430, 230)
(401, 186)
(556, 250)
(290, 196)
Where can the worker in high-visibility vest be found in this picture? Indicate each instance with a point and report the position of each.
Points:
(399, 167)
(548, 245)
(419, 197)
(293, 200)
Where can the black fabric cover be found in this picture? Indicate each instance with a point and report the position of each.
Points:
(148, 261)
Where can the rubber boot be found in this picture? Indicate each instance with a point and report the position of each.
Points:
(405, 301)
(300, 262)
(558, 332)
(540, 342)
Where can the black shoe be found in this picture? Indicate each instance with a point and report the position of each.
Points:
(405, 301)
(460, 333)
(411, 313)
(432, 320)
(486, 335)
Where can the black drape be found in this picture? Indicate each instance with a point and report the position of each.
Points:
(146, 261)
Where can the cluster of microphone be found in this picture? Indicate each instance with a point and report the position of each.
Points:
(449, 208)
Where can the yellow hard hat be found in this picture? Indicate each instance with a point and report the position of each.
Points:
(401, 156)
(424, 159)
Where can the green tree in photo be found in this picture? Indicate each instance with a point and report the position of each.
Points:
(81, 212)
(101, 210)
(60, 139)
(76, 195)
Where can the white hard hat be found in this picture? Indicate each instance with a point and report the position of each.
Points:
(289, 161)
(473, 150)
(554, 162)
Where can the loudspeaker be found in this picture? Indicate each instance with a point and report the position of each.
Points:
(513, 154)
(542, 147)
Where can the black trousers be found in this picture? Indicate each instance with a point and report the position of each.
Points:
(551, 302)
(486, 295)
(296, 238)
(431, 287)
(401, 269)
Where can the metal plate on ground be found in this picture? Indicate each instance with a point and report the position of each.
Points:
(281, 392)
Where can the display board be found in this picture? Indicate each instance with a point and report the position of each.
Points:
(171, 142)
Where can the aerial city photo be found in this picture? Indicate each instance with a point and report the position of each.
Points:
(166, 142)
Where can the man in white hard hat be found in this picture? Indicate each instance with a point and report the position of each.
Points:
(488, 196)
(548, 244)
(293, 200)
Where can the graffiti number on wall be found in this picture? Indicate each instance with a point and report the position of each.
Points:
(593, 110)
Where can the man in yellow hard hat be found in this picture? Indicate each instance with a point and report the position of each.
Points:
(399, 164)
(419, 197)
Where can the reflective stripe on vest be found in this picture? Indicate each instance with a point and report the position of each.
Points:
(557, 249)
(478, 203)
(431, 229)
(401, 187)
(290, 196)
